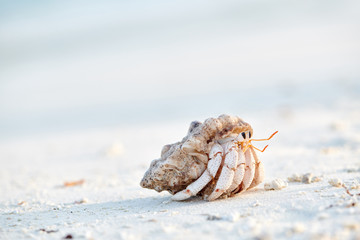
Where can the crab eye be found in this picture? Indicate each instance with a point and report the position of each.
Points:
(244, 135)
(249, 134)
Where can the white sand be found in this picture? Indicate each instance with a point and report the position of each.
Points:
(324, 142)
(291, 66)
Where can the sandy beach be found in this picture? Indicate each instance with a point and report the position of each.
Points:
(110, 204)
(90, 92)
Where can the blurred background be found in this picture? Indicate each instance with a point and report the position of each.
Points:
(67, 65)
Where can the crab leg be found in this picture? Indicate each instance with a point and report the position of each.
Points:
(215, 155)
(249, 170)
(259, 171)
(227, 172)
(239, 172)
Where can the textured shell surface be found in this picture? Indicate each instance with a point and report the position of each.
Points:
(181, 163)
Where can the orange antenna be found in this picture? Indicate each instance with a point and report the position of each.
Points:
(260, 149)
(265, 139)
(250, 144)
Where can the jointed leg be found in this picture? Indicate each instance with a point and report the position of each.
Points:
(215, 155)
(239, 172)
(227, 172)
(259, 171)
(249, 170)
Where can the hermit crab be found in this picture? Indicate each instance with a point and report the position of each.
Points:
(215, 159)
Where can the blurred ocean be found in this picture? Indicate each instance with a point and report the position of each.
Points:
(69, 65)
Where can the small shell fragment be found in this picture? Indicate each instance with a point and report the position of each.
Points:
(295, 178)
(307, 178)
(355, 185)
(276, 184)
(74, 183)
(304, 178)
(336, 182)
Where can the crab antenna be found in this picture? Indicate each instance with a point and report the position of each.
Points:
(249, 144)
(265, 139)
(260, 149)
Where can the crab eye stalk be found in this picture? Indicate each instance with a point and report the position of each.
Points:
(249, 134)
(243, 135)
